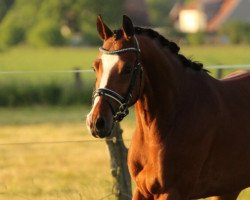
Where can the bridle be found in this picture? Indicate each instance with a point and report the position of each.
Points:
(122, 101)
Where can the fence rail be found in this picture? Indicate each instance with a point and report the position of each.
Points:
(240, 66)
(59, 142)
(44, 71)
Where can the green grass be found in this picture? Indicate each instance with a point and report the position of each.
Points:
(43, 114)
(65, 171)
(27, 58)
(219, 55)
(78, 170)
(48, 59)
(23, 89)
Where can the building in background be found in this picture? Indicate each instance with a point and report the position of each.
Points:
(208, 15)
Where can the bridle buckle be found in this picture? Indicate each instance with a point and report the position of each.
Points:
(122, 112)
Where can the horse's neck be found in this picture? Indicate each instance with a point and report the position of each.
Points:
(161, 87)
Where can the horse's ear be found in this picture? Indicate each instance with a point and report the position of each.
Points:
(127, 27)
(103, 29)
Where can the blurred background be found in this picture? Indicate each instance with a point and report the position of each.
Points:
(46, 52)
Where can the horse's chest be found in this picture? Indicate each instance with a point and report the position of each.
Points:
(145, 167)
(146, 177)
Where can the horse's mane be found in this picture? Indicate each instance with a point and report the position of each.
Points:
(173, 47)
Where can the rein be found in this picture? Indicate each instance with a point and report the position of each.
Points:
(122, 101)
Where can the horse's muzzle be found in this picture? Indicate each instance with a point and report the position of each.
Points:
(99, 126)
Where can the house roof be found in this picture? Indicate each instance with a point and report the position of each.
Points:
(227, 8)
(211, 7)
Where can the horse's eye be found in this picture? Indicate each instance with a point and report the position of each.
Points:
(127, 69)
(96, 65)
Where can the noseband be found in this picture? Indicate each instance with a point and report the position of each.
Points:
(122, 101)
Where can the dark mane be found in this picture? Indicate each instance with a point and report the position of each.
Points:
(173, 47)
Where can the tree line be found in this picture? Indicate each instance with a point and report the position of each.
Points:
(62, 22)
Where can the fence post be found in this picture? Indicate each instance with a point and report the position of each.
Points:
(78, 80)
(219, 73)
(119, 169)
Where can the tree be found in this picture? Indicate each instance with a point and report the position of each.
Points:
(25, 21)
(159, 11)
(111, 10)
(5, 5)
(17, 22)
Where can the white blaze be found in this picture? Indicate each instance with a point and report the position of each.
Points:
(89, 116)
(108, 62)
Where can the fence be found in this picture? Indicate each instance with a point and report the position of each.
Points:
(121, 179)
(220, 68)
(78, 71)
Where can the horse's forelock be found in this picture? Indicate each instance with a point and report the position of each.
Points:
(118, 34)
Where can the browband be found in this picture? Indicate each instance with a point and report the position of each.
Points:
(117, 51)
(137, 49)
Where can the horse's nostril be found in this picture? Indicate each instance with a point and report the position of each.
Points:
(100, 124)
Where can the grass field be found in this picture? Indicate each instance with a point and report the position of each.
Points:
(74, 170)
(43, 62)
(31, 169)
(27, 58)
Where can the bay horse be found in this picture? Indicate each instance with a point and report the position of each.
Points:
(192, 137)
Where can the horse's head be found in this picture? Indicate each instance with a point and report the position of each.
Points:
(118, 77)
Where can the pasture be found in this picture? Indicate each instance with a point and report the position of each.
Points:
(46, 152)
(27, 58)
(68, 168)
(44, 60)
(73, 166)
